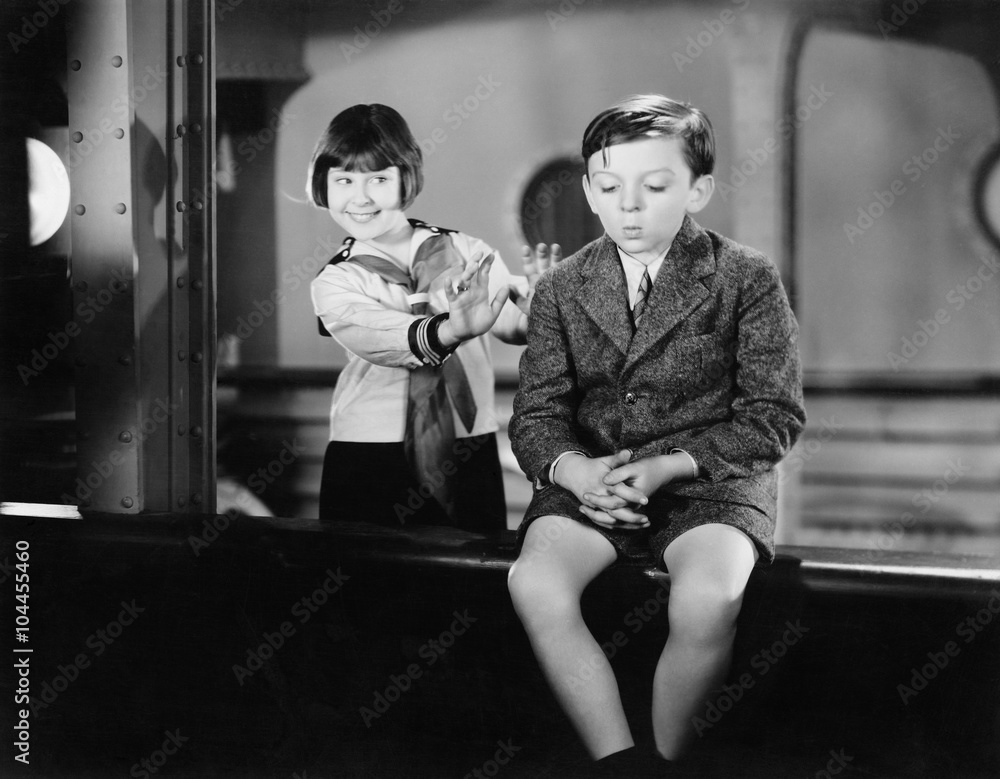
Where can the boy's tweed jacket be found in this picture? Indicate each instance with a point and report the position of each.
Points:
(713, 369)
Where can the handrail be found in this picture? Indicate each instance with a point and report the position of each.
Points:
(304, 543)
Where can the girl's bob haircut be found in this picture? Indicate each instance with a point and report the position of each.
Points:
(366, 138)
(652, 116)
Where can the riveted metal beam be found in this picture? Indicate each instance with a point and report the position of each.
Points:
(103, 260)
(143, 267)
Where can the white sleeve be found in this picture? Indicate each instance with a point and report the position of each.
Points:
(344, 300)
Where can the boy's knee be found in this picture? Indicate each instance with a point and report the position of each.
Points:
(515, 580)
(535, 600)
(705, 612)
(524, 584)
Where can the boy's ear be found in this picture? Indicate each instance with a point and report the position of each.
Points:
(701, 193)
(586, 191)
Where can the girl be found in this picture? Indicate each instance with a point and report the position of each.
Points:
(413, 426)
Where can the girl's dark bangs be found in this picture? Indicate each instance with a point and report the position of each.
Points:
(361, 158)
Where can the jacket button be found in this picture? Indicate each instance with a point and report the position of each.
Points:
(630, 398)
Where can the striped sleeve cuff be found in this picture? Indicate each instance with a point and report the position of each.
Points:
(424, 341)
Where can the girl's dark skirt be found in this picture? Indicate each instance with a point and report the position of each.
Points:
(669, 515)
(372, 482)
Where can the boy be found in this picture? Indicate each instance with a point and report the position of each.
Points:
(660, 387)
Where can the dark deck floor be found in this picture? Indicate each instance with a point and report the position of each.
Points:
(444, 709)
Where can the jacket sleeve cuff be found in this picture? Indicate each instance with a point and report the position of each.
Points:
(695, 471)
(544, 477)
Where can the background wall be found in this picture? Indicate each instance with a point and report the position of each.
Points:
(819, 109)
(887, 178)
(526, 85)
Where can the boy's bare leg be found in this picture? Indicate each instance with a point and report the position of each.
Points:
(709, 567)
(560, 557)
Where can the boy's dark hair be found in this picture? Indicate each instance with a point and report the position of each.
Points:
(652, 116)
(365, 138)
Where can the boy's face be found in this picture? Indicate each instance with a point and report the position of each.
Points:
(365, 203)
(643, 193)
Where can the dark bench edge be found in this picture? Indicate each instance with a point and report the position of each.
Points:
(817, 569)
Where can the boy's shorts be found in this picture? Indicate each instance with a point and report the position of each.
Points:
(669, 516)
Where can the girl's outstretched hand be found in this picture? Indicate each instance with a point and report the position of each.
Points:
(471, 312)
(535, 261)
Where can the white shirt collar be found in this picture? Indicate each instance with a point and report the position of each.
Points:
(420, 234)
(634, 269)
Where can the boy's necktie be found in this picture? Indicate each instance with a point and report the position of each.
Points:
(640, 299)
(430, 427)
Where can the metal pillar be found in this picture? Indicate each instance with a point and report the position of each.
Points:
(140, 89)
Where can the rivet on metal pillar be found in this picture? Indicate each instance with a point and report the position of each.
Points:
(107, 396)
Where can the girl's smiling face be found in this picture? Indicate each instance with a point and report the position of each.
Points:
(365, 203)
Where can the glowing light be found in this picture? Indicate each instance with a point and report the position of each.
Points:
(48, 191)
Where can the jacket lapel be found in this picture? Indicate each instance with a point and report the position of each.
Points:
(602, 295)
(678, 288)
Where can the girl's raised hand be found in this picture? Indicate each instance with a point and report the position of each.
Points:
(471, 312)
(539, 260)
(535, 262)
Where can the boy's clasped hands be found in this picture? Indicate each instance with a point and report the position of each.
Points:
(613, 489)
